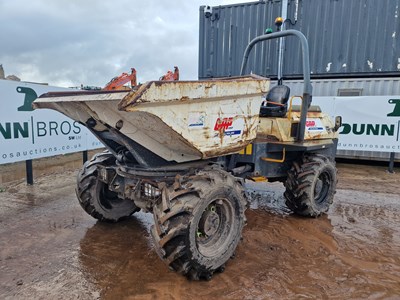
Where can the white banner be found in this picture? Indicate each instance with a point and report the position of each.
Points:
(29, 134)
(370, 123)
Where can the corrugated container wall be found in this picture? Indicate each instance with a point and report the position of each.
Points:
(346, 38)
(331, 87)
(225, 34)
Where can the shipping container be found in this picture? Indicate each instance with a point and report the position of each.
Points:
(347, 38)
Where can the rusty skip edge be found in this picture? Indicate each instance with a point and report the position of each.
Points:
(78, 93)
(257, 84)
(147, 92)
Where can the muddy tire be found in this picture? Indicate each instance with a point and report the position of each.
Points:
(311, 185)
(200, 230)
(95, 197)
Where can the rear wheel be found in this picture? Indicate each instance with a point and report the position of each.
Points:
(311, 185)
(95, 197)
(200, 231)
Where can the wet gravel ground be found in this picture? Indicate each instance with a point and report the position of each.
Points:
(50, 248)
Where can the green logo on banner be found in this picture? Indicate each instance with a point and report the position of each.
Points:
(30, 96)
(396, 110)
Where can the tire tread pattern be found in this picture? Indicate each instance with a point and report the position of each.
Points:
(301, 181)
(86, 188)
(171, 244)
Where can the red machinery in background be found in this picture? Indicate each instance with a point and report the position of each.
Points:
(171, 76)
(117, 83)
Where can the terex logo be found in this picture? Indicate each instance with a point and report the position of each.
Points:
(223, 124)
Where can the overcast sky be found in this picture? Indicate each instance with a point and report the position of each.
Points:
(73, 42)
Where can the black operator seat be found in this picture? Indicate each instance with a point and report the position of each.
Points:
(275, 103)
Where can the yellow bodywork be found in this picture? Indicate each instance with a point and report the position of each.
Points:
(318, 126)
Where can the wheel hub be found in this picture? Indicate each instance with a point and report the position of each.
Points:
(321, 188)
(209, 223)
(318, 187)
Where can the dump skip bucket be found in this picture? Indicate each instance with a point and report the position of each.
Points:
(178, 120)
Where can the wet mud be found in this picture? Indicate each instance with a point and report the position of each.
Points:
(50, 249)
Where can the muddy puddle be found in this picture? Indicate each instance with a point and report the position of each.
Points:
(54, 250)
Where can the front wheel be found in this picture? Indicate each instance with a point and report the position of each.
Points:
(95, 197)
(200, 231)
(311, 185)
